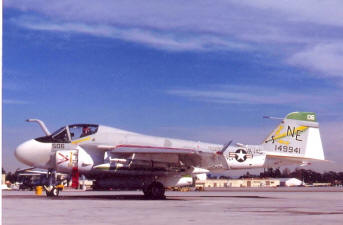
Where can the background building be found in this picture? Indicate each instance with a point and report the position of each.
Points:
(247, 182)
(290, 182)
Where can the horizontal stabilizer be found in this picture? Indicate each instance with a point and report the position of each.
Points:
(225, 147)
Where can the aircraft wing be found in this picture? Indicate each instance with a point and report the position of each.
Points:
(192, 157)
(148, 149)
(32, 172)
(29, 174)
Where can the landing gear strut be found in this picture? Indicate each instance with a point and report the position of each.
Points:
(51, 190)
(155, 190)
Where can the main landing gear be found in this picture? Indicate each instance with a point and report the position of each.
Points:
(51, 189)
(155, 190)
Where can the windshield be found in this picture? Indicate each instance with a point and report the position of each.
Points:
(82, 130)
(59, 136)
(76, 131)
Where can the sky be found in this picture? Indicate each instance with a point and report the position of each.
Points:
(198, 70)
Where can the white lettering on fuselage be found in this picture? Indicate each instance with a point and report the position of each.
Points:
(57, 145)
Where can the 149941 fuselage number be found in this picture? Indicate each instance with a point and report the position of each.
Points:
(285, 148)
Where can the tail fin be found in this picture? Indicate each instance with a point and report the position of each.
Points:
(297, 136)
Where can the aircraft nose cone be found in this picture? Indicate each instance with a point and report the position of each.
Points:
(34, 153)
(22, 152)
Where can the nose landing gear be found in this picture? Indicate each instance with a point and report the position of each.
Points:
(51, 189)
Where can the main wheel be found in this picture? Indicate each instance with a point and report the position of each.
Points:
(147, 192)
(156, 190)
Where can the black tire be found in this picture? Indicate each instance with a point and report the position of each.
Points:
(53, 193)
(156, 191)
(147, 192)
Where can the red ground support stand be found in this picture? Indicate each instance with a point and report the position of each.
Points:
(75, 178)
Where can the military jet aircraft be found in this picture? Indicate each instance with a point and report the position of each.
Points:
(117, 158)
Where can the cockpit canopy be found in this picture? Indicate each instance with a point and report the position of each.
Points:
(69, 133)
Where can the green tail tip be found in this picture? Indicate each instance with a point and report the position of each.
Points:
(304, 116)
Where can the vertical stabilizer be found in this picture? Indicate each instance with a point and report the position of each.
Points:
(296, 136)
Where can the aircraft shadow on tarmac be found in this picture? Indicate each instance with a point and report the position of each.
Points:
(80, 197)
(104, 197)
(129, 197)
(141, 197)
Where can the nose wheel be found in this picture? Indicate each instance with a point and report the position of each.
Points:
(52, 191)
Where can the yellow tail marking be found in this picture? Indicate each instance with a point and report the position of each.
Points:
(278, 130)
(283, 142)
(301, 128)
(81, 140)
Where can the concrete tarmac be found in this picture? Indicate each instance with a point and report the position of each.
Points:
(234, 206)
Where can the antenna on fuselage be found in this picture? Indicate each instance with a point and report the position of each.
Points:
(272, 118)
(41, 124)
